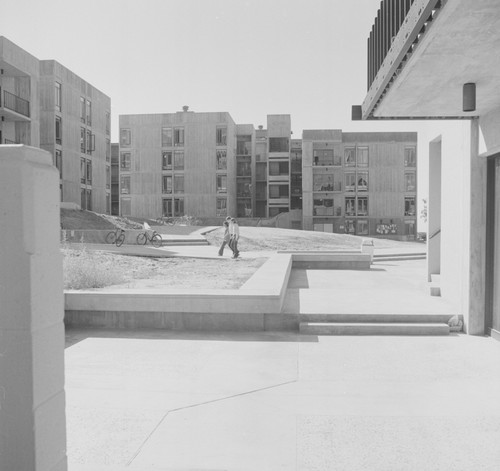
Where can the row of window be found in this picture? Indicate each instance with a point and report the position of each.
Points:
(354, 181)
(353, 206)
(356, 157)
(85, 108)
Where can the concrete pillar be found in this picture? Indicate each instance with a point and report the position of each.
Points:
(32, 401)
(434, 210)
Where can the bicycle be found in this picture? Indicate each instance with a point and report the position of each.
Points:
(154, 239)
(116, 237)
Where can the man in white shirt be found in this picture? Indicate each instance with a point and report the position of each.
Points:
(234, 230)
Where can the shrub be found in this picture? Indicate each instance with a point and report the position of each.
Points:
(82, 269)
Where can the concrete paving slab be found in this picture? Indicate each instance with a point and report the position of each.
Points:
(177, 401)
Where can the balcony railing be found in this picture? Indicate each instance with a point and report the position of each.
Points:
(15, 103)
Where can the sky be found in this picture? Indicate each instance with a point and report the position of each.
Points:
(251, 58)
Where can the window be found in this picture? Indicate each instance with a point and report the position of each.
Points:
(350, 156)
(89, 172)
(362, 181)
(278, 191)
(125, 137)
(90, 142)
(108, 123)
(58, 96)
(410, 157)
(278, 168)
(327, 182)
(279, 144)
(179, 137)
(166, 137)
(82, 109)
(221, 207)
(326, 157)
(410, 208)
(243, 167)
(167, 184)
(179, 184)
(166, 160)
(350, 182)
(362, 227)
(363, 206)
(178, 160)
(323, 207)
(82, 171)
(82, 140)
(244, 188)
(178, 207)
(89, 200)
(108, 150)
(167, 207)
(362, 156)
(58, 130)
(410, 228)
(221, 136)
(350, 208)
(349, 226)
(125, 207)
(124, 160)
(244, 208)
(108, 177)
(221, 159)
(221, 183)
(410, 181)
(125, 184)
(244, 145)
(58, 162)
(89, 112)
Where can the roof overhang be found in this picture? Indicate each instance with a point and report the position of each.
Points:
(428, 63)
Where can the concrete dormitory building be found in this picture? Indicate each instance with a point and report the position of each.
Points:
(206, 166)
(437, 59)
(43, 104)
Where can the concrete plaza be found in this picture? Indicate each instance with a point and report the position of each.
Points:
(156, 400)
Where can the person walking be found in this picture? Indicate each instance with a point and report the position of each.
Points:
(234, 237)
(226, 238)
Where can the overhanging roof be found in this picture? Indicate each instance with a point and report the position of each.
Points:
(461, 45)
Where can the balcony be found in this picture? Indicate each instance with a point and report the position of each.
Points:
(415, 66)
(13, 107)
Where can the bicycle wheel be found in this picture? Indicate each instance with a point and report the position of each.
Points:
(156, 240)
(111, 238)
(120, 240)
(142, 239)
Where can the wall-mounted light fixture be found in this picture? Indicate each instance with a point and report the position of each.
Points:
(469, 97)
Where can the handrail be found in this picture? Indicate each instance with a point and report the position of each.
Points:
(434, 234)
(15, 103)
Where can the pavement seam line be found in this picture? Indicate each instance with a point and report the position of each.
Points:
(246, 393)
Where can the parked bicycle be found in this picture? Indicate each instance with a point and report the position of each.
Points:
(116, 237)
(151, 237)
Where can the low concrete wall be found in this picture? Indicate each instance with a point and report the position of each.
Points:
(256, 306)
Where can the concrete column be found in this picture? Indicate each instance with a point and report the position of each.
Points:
(32, 401)
(477, 264)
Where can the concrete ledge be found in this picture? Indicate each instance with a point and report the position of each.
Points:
(375, 328)
(332, 261)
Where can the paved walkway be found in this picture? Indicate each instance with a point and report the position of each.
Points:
(185, 401)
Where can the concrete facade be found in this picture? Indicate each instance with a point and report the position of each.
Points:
(360, 183)
(45, 105)
(32, 412)
(438, 48)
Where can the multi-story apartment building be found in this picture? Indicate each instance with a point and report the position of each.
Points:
(43, 104)
(179, 164)
(360, 183)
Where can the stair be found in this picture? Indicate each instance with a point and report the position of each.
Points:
(373, 328)
(374, 324)
(174, 242)
(394, 257)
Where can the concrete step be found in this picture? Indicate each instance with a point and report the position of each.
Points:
(375, 318)
(183, 242)
(373, 328)
(398, 257)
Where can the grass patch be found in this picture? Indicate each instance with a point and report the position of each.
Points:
(84, 269)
